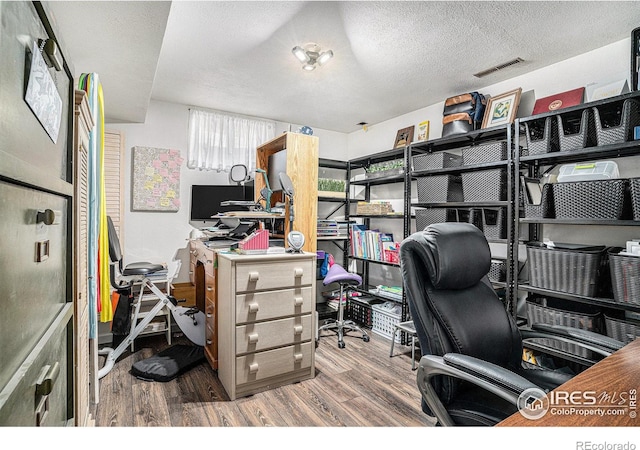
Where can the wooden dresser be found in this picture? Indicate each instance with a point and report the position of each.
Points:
(266, 323)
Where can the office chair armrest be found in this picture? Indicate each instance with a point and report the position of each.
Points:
(598, 343)
(495, 379)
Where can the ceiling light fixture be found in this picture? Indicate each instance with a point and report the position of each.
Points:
(311, 55)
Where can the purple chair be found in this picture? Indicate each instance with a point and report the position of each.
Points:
(346, 280)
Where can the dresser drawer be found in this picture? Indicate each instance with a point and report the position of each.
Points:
(209, 286)
(265, 305)
(34, 266)
(260, 276)
(276, 333)
(263, 365)
(38, 393)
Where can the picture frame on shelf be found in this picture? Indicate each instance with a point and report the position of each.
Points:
(404, 137)
(423, 131)
(502, 109)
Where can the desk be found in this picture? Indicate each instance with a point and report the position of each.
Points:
(616, 374)
(203, 275)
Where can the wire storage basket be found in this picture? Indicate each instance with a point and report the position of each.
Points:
(622, 330)
(494, 223)
(574, 270)
(615, 121)
(359, 312)
(385, 319)
(428, 216)
(436, 160)
(470, 215)
(541, 136)
(625, 278)
(576, 130)
(498, 270)
(440, 188)
(634, 189)
(597, 199)
(485, 185)
(482, 153)
(544, 209)
(537, 313)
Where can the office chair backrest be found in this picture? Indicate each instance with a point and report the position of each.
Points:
(452, 303)
(115, 254)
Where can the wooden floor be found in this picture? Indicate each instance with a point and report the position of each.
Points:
(358, 386)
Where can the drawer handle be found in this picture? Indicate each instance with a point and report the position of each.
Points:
(254, 276)
(253, 307)
(253, 367)
(297, 301)
(191, 272)
(209, 315)
(48, 217)
(44, 385)
(297, 329)
(209, 288)
(298, 272)
(297, 357)
(253, 338)
(209, 342)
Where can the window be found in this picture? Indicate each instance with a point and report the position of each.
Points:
(217, 141)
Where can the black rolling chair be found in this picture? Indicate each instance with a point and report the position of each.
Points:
(346, 280)
(471, 371)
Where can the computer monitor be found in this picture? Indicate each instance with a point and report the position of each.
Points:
(206, 199)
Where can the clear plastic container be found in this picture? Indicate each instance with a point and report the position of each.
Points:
(601, 170)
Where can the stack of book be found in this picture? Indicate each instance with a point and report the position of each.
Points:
(333, 228)
(390, 292)
(372, 244)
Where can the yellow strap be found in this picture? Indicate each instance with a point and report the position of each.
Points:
(106, 311)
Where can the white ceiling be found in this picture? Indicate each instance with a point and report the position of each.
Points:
(391, 57)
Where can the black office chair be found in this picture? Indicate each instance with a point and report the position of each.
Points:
(471, 371)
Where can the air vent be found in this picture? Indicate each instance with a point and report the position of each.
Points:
(504, 65)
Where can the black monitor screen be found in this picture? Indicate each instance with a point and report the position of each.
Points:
(206, 199)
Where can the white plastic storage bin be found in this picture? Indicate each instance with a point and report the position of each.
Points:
(601, 170)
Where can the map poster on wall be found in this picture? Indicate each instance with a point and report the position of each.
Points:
(42, 95)
(156, 179)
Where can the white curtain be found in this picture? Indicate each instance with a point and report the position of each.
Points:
(217, 141)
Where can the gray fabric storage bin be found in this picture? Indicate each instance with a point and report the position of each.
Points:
(436, 160)
(439, 189)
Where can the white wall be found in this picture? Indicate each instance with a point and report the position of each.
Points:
(604, 64)
(162, 236)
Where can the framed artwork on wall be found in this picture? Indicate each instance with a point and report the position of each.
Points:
(404, 137)
(502, 109)
(156, 179)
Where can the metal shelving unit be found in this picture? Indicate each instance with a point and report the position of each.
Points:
(533, 165)
(455, 143)
(396, 178)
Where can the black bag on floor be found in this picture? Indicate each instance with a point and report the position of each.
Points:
(169, 363)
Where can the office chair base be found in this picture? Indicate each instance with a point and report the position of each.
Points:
(341, 329)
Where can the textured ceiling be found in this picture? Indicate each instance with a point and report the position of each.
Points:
(390, 57)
